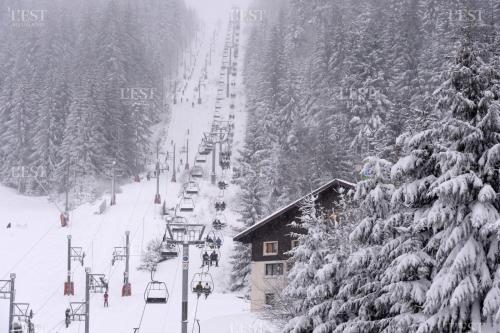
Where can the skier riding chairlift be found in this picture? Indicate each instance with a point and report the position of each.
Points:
(214, 258)
(198, 289)
(207, 290)
(206, 259)
(218, 242)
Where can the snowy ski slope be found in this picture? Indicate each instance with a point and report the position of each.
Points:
(35, 247)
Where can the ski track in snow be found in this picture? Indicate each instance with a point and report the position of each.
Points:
(35, 247)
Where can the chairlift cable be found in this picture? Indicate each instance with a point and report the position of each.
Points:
(59, 324)
(56, 290)
(131, 215)
(29, 251)
(48, 194)
(195, 313)
(173, 288)
(142, 316)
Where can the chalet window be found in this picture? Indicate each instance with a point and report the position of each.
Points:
(295, 243)
(274, 269)
(270, 298)
(270, 248)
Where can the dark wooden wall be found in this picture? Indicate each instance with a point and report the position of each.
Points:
(279, 230)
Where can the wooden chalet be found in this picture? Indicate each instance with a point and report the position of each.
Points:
(270, 239)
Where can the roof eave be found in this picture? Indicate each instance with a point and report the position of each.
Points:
(245, 233)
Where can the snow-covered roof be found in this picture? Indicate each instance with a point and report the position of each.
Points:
(282, 210)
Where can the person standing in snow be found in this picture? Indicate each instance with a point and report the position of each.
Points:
(67, 318)
(106, 298)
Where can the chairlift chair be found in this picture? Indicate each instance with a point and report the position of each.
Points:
(156, 293)
(202, 284)
(208, 249)
(210, 257)
(177, 219)
(204, 149)
(168, 250)
(197, 171)
(220, 205)
(219, 222)
(168, 218)
(222, 185)
(186, 204)
(214, 239)
(17, 327)
(200, 158)
(191, 187)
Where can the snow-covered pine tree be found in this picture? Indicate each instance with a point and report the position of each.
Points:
(252, 209)
(365, 83)
(313, 230)
(464, 213)
(330, 278)
(317, 265)
(355, 301)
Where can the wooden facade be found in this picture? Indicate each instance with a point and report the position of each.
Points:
(276, 226)
(276, 229)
